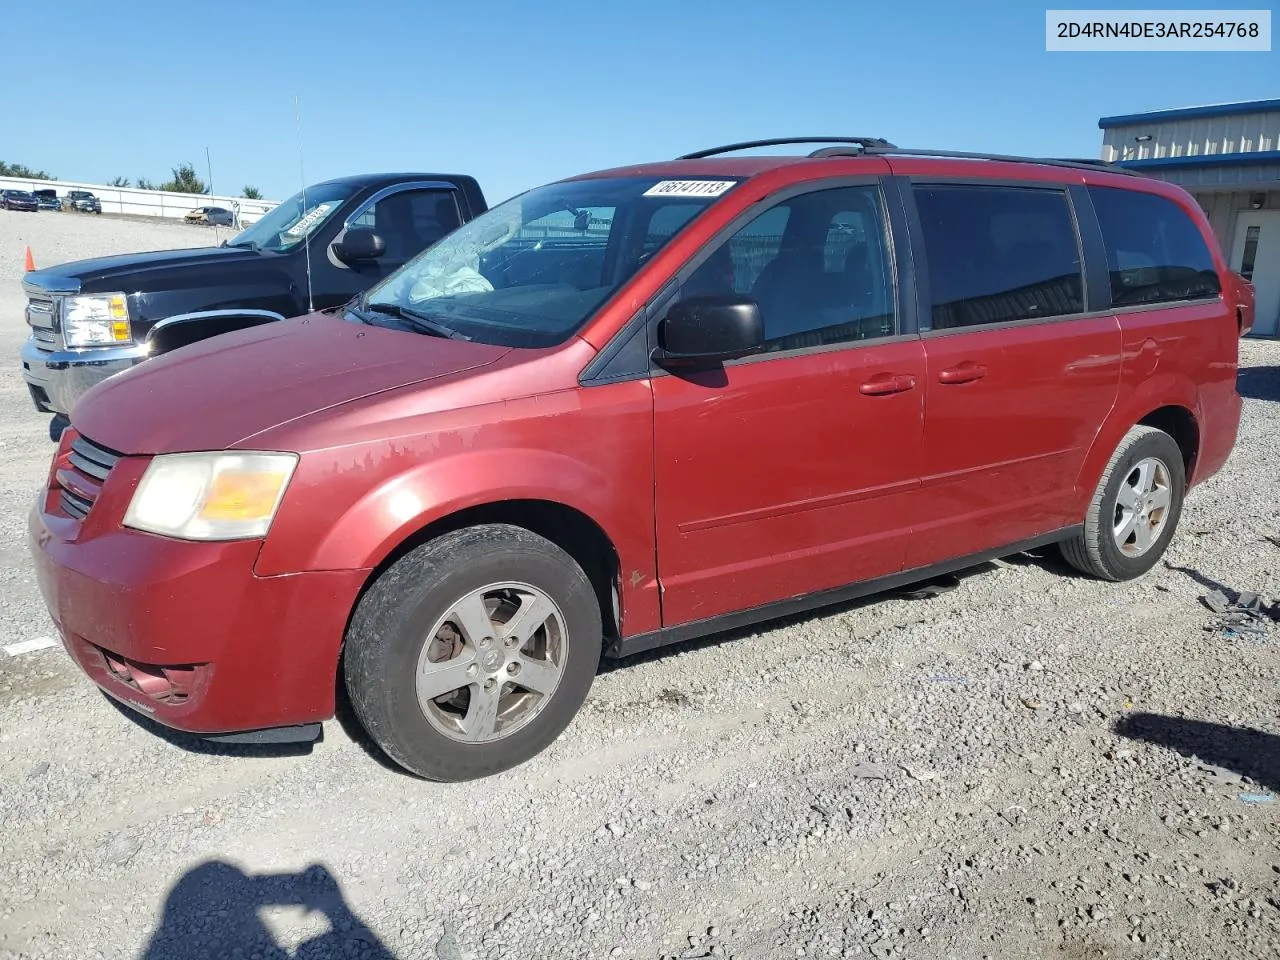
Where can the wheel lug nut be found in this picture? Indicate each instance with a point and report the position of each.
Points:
(489, 684)
(486, 641)
(513, 668)
(472, 670)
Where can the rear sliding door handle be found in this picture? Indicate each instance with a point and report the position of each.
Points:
(887, 383)
(966, 372)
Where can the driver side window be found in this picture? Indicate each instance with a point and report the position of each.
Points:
(817, 266)
(409, 221)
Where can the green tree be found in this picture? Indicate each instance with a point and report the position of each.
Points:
(145, 184)
(185, 180)
(252, 193)
(118, 182)
(25, 172)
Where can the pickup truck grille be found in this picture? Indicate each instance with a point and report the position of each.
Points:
(90, 467)
(42, 319)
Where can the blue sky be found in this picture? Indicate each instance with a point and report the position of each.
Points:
(519, 92)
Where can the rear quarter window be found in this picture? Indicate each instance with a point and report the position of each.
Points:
(1155, 251)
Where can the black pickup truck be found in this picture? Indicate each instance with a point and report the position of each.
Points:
(318, 249)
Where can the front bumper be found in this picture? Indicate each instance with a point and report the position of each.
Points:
(57, 379)
(185, 632)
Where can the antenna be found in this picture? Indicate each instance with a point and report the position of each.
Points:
(209, 167)
(306, 237)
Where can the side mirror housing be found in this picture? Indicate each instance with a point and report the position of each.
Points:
(359, 244)
(709, 329)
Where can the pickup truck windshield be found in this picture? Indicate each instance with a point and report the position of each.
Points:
(287, 225)
(532, 270)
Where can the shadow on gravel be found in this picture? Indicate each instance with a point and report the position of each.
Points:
(1259, 383)
(193, 744)
(213, 911)
(1207, 582)
(346, 717)
(1251, 753)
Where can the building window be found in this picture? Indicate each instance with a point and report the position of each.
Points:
(1250, 252)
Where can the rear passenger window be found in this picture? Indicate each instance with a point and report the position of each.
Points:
(817, 266)
(1155, 252)
(998, 254)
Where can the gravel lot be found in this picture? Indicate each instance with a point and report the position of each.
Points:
(1032, 765)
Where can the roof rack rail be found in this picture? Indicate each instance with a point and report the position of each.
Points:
(865, 143)
(1006, 158)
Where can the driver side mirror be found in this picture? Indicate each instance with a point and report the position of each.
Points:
(709, 329)
(359, 244)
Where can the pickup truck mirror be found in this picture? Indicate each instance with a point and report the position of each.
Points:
(359, 244)
(709, 329)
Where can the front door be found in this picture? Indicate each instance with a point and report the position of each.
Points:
(1017, 379)
(792, 471)
(1255, 255)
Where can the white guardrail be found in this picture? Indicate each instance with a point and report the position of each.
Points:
(145, 203)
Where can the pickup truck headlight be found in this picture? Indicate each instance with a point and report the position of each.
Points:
(210, 496)
(96, 320)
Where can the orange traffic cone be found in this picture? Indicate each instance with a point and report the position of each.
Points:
(31, 264)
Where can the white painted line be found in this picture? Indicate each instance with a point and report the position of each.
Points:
(29, 646)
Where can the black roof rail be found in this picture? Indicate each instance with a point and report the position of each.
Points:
(865, 143)
(1005, 158)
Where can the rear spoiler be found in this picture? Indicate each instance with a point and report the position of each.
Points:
(1242, 295)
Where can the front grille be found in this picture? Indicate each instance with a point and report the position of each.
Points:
(73, 505)
(90, 465)
(42, 319)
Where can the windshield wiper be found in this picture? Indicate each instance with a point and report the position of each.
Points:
(418, 321)
(243, 244)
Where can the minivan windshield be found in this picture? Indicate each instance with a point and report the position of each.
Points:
(532, 270)
(287, 225)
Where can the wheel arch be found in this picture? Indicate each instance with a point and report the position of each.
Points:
(1167, 403)
(182, 329)
(569, 528)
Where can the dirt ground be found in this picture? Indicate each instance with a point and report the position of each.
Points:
(1031, 765)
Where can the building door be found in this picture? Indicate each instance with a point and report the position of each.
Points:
(1255, 255)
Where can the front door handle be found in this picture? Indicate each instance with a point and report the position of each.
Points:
(887, 383)
(966, 372)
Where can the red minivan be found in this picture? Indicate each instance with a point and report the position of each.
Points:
(633, 407)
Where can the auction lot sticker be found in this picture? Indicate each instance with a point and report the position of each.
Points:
(689, 188)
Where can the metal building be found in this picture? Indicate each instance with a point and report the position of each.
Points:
(1228, 156)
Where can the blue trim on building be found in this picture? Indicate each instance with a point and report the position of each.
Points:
(1205, 160)
(1189, 113)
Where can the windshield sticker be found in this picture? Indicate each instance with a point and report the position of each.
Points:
(689, 188)
(308, 222)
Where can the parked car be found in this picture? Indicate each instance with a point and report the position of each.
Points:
(93, 318)
(211, 215)
(630, 408)
(18, 200)
(46, 202)
(83, 201)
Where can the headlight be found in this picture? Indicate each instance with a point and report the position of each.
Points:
(96, 320)
(211, 496)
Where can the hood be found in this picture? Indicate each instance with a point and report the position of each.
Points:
(213, 394)
(133, 268)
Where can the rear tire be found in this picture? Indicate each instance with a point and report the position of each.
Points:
(1135, 509)
(472, 653)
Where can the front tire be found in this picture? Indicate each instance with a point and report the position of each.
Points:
(473, 652)
(1134, 510)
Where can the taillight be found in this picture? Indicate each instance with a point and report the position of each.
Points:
(1243, 296)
